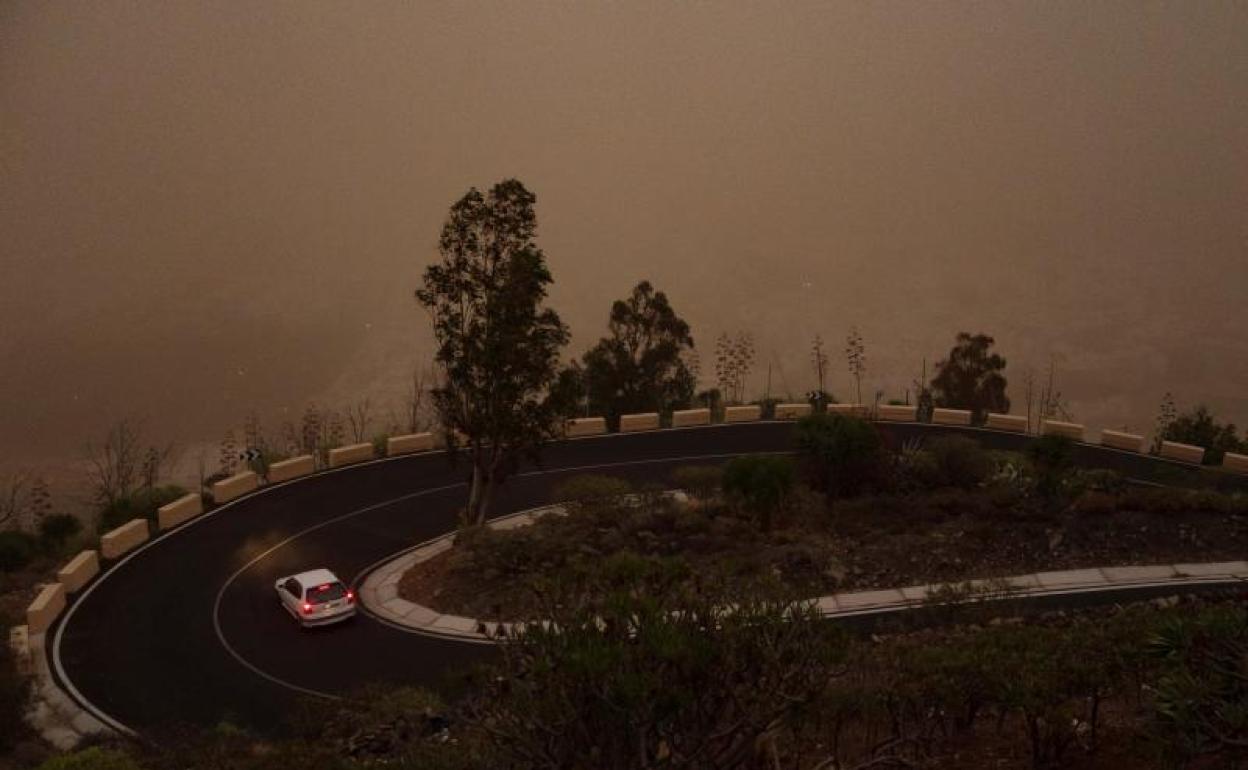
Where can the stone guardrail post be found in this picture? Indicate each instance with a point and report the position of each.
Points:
(630, 423)
(292, 468)
(234, 487)
(942, 416)
(898, 413)
(1129, 442)
(1071, 430)
(793, 411)
(1016, 423)
(585, 426)
(747, 413)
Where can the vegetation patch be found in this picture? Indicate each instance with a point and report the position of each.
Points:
(946, 511)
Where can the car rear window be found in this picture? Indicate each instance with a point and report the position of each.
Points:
(326, 593)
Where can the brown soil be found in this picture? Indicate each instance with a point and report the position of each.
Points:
(888, 541)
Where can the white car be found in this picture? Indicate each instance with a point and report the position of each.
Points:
(316, 597)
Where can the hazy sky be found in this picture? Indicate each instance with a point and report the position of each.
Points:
(209, 207)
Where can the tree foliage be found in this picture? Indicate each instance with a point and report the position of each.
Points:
(639, 366)
(840, 455)
(971, 378)
(498, 347)
(1199, 428)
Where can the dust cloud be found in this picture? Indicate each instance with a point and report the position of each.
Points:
(213, 208)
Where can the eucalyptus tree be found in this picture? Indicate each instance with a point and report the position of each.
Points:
(640, 365)
(972, 377)
(498, 346)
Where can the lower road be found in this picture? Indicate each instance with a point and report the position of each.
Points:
(188, 629)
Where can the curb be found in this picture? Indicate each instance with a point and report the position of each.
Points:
(380, 587)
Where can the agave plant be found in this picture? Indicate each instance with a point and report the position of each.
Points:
(1202, 692)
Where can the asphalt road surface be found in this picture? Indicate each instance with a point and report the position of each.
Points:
(189, 629)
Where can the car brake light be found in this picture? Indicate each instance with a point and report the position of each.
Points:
(351, 596)
(306, 608)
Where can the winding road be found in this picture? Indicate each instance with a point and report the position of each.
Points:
(188, 629)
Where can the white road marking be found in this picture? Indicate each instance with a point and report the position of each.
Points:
(99, 713)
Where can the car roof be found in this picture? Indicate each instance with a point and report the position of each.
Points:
(315, 577)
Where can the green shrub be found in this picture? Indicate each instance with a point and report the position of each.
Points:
(960, 461)
(1167, 500)
(914, 470)
(139, 504)
(379, 444)
(592, 489)
(16, 550)
(94, 758)
(1102, 480)
(403, 715)
(766, 407)
(761, 482)
(1202, 691)
(1217, 502)
(56, 530)
(842, 456)
(700, 481)
(641, 679)
(1154, 500)
(1052, 457)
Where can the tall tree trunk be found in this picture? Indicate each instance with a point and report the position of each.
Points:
(483, 503)
(489, 480)
(472, 515)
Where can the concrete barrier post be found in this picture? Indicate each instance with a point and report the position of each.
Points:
(1071, 430)
(850, 410)
(235, 486)
(898, 413)
(183, 509)
(125, 538)
(1186, 453)
(1235, 462)
(687, 418)
(352, 453)
(1129, 442)
(747, 413)
(951, 416)
(630, 423)
(585, 426)
(43, 611)
(291, 469)
(407, 444)
(792, 411)
(79, 571)
(1015, 423)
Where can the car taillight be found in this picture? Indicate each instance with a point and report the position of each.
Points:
(307, 608)
(351, 597)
